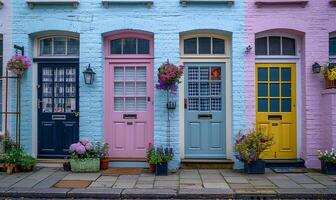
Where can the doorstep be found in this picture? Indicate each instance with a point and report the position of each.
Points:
(207, 164)
(285, 163)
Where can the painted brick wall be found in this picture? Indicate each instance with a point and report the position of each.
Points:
(166, 19)
(328, 108)
(314, 22)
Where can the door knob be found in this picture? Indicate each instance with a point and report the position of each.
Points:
(77, 114)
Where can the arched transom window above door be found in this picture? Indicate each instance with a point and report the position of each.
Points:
(58, 46)
(205, 45)
(275, 46)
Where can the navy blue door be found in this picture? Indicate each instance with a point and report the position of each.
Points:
(205, 135)
(58, 116)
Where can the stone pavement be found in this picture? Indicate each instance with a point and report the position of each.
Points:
(183, 184)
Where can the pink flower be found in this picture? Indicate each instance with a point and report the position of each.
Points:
(89, 147)
(80, 149)
(85, 141)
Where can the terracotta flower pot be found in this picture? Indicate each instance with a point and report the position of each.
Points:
(104, 164)
(10, 168)
(152, 168)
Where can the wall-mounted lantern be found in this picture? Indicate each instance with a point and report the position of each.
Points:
(316, 68)
(89, 75)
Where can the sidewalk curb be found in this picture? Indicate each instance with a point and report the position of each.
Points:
(113, 193)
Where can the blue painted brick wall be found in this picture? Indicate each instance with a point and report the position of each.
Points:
(166, 19)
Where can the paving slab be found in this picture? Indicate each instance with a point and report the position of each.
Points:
(82, 176)
(126, 184)
(144, 186)
(313, 186)
(10, 180)
(51, 180)
(105, 193)
(128, 177)
(192, 181)
(327, 193)
(107, 178)
(285, 183)
(205, 193)
(102, 184)
(167, 178)
(236, 179)
(229, 173)
(33, 179)
(191, 185)
(216, 185)
(297, 193)
(301, 178)
(254, 193)
(166, 184)
(240, 185)
(37, 192)
(149, 194)
(146, 178)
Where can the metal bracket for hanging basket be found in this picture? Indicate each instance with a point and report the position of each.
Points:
(171, 105)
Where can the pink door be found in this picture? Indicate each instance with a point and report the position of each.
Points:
(128, 101)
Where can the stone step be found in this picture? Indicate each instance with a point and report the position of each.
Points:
(207, 164)
(285, 163)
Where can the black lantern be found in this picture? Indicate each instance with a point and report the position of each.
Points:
(316, 68)
(89, 75)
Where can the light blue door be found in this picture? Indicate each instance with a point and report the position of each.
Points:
(205, 110)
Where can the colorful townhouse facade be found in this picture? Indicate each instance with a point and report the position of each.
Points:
(246, 64)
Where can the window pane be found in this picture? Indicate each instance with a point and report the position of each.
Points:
(286, 105)
(332, 46)
(262, 105)
(274, 105)
(1, 47)
(116, 46)
(261, 46)
(262, 74)
(59, 45)
(274, 46)
(205, 104)
(190, 46)
(288, 46)
(118, 104)
(45, 46)
(274, 74)
(73, 46)
(143, 46)
(129, 46)
(204, 89)
(218, 46)
(204, 45)
(286, 90)
(274, 90)
(262, 90)
(286, 74)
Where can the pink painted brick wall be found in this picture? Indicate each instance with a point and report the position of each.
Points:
(313, 24)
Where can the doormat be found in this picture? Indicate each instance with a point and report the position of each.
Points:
(123, 171)
(72, 184)
(289, 170)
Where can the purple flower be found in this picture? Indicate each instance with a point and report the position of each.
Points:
(89, 147)
(85, 141)
(80, 149)
(73, 147)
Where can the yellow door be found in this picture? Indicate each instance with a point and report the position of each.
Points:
(276, 108)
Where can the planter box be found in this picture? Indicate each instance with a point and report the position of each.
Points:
(329, 84)
(328, 167)
(257, 167)
(161, 169)
(85, 165)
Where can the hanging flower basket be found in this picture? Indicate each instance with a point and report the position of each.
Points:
(169, 76)
(18, 65)
(329, 73)
(329, 84)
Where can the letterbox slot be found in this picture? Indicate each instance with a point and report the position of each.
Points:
(274, 117)
(130, 116)
(204, 116)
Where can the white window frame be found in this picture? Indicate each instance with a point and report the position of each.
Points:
(281, 35)
(38, 45)
(332, 58)
(2, 88)
(227, 49)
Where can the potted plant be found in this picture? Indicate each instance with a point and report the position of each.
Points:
(66, 166)
(328, 161)
(102, 149)
(248, 148)
(160, 158)
(329, 73)
(150, 151)
(18, 64)
(84, 157)
(26, 163)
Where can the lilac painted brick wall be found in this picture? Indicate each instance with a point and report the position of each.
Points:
(314, 22)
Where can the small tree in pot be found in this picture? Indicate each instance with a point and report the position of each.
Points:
(248, 148)
(102, 150)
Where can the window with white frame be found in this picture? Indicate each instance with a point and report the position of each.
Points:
(58, 46)
(204, 45)
(332, 48)
(275, 46)
(130, 45)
